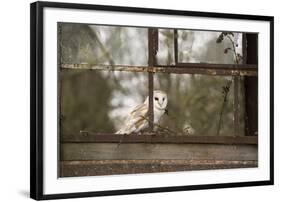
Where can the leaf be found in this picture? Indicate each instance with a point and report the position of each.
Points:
(228, 33)
(240, 57)
(220, 38)
(226, 50)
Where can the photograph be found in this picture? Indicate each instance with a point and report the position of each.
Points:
(132, 100)
(154, 99)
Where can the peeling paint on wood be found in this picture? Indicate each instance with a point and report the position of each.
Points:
(130, 151)
(113, 167)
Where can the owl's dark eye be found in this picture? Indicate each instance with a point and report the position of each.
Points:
(163, 99)
(156, 98)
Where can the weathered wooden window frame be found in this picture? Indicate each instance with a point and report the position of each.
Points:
(248, 69)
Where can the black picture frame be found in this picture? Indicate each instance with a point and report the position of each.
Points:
(37, 99)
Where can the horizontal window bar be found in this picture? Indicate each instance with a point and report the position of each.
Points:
(223, 70)
(154, 138)
(217, 66)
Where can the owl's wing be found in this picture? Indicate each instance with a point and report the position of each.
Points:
(136, 121)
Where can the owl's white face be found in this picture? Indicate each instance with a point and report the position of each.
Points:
(160, 100)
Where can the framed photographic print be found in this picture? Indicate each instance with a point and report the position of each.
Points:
(135, 100)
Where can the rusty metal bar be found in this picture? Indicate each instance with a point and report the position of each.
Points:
(152, 46)
(176, 46)
(217, 66)
(134, 138)
(251, 87)
(152, 50)
(244, 49)
(242, 67)
(150, 93)
(248, 70)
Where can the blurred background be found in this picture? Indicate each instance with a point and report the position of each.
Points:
(99, 101)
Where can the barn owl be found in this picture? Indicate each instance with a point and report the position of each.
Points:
(137, 120)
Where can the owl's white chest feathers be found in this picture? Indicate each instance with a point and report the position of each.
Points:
(158, 114)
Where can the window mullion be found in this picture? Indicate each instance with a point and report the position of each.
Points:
(176, 46)
(251, 86)
(150, 105)
(152, 50)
